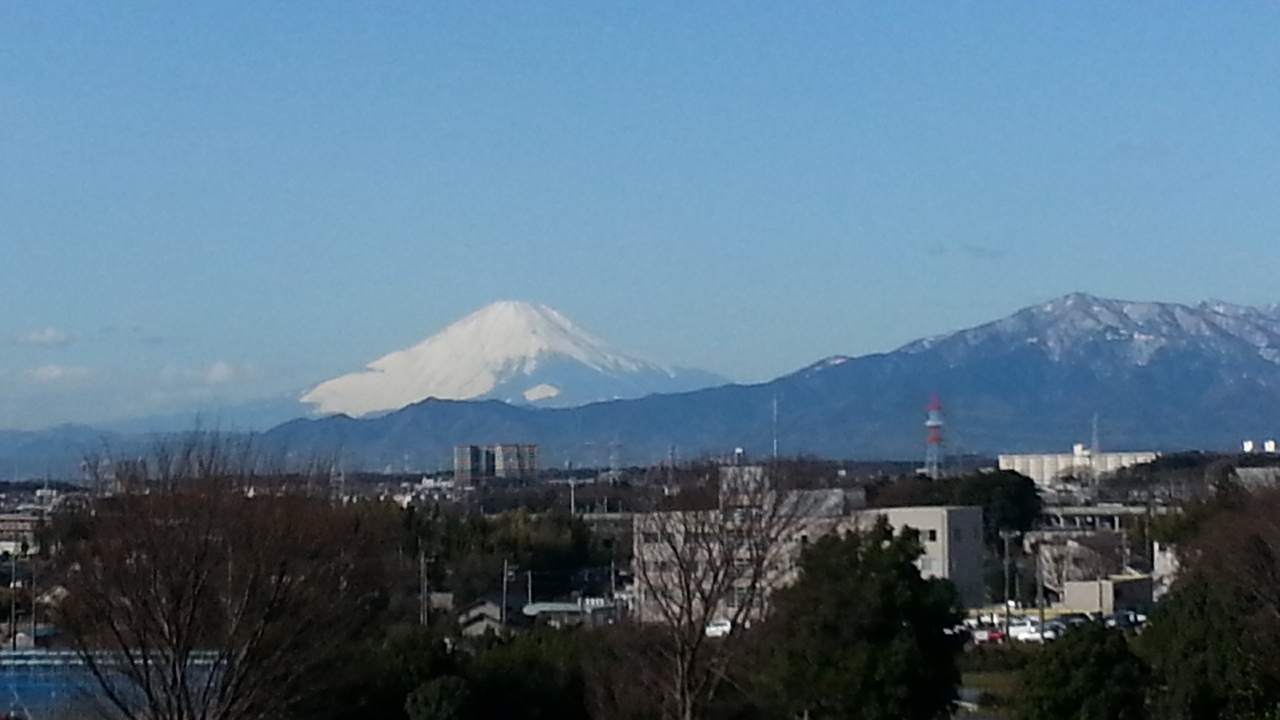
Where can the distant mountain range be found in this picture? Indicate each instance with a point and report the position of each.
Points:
(1157, 376)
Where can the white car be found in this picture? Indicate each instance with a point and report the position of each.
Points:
(1026, 631)
(719, 628)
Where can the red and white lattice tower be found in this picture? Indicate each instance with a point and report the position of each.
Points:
(933, 441)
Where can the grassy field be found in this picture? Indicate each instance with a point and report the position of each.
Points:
(1000, 686)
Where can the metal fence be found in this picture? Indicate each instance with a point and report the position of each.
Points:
(46, 685)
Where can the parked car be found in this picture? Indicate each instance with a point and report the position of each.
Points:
(1025, 631)
(719, 628)
(984, 635)
(1053, 630)
(1125, 620)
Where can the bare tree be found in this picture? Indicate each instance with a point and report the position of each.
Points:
(705, 569)
(1237, 551)
(208, 591)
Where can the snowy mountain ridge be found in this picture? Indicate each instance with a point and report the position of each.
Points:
(518, 352)
(1081, 326)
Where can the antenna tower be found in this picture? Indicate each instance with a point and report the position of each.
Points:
(613, 460)
(933, 441)
(1094, 451)
(775, 428)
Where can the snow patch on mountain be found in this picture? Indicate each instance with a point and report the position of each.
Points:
(513, 351)
(541, 392)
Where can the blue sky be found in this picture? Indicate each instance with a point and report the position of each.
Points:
(211, 202)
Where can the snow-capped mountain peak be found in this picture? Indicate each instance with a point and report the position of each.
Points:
(515, 351)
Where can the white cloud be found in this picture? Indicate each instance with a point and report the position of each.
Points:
(222, 373)
(48, 337)
(57, 374)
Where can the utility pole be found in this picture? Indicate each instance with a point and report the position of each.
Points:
(31, 568)
(502, 612)
(1039, 589)
(13, 593)
(1006, 536)
(424, 588)
(528, 578)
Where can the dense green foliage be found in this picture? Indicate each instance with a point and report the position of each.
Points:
(862, 636)
(418, 676)
(1204, 670)
(1089, 674)
(535, 676)
(465, 552)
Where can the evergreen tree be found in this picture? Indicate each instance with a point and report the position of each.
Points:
(862, 636)
(1089, 674)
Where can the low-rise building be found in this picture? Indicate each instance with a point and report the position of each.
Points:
(1108, 595)
(18, 532)
(712, 562)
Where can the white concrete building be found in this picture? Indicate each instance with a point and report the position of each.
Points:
(952, 539)
(1080, 463)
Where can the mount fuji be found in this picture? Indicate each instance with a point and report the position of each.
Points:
(517, 352)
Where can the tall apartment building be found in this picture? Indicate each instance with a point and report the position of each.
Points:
(469, 464)
(472, 463)
(514, 461)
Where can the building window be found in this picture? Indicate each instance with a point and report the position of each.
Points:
(738, 597)
(933, 536)
(926, 564)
